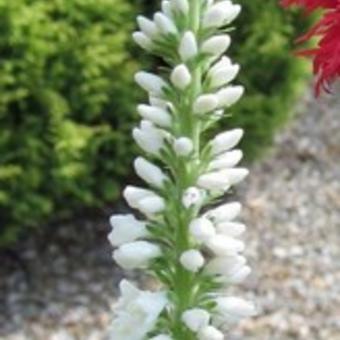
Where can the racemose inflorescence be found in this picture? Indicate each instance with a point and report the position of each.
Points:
(186, 238)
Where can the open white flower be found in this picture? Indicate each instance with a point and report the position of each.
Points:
(136, 255)
(136, 312)
(125, 229)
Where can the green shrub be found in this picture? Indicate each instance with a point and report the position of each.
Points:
(66, 100)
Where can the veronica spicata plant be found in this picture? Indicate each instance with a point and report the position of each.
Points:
(184, 239)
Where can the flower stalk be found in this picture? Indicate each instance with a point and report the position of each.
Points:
(184, 240)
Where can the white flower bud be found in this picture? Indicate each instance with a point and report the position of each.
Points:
(202, 229)
(167, 8)
(229, 95)
(181, 77)
(142, 40)
(222, 180)
(222, 245)
(125, 229)
(188, 46)
(222, 76)
(161, 337)
(149, 172)
(210, 333)
(195, 319)
(157, 102)
(216, 45)
(239, 275)
(220, 14)
(134, 194)
(214, 181)
(223, 62)
(181, 6)
(192, 197)
(192, 260)
(224, 213)
(147, 26)
(226, 141)
(226, 160)
(183, 146)
(146, 201)
(156, 115)
(205, 103)
(151, 205)
(150, 82)
(233, 309)
(232, 229)
(136, 255)
(149, 138)
(165, 24)
(229, 269)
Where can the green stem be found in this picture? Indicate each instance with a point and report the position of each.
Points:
(184, 279)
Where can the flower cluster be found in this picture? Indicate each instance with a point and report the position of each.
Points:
(184, 238)
(327, 54)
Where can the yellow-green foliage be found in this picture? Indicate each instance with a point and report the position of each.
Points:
(65, 106)
(67, 98)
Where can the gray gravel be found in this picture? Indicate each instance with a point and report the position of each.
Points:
(59, 285)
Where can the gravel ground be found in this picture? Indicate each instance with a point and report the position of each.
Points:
(59, 285)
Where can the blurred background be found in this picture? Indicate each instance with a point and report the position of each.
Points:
(67, 105)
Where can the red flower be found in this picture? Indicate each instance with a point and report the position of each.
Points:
(326, 56)
(310, 5)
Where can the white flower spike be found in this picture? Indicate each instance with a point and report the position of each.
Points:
(186, 239)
